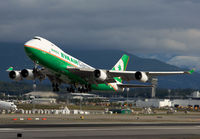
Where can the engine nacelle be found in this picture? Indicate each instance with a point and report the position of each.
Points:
(141, 76)
(15, 75)
(100, 75)
(28, 74)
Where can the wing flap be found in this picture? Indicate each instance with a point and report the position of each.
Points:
(125, 75)
(134, 86)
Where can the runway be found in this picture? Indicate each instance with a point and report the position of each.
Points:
(105, 131)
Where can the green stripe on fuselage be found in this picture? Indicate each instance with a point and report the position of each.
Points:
(102, 87)
(53, 63)
(59, 67)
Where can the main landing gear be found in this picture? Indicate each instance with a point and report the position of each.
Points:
(55, 87)
(84, 89)
(71, 89)
(81, 89)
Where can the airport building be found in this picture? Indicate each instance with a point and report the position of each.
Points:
(186, 102)
(159, 103)
(42, 94)
(43, 101)
(38, 97)
(192, 101)
(196, 94)
(86, 97)
(155, 103)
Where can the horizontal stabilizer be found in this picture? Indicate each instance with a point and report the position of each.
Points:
(10, 69)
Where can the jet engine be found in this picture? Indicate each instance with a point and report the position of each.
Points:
(141, 76)
(15, 75)
(100, 75)
(28, 74)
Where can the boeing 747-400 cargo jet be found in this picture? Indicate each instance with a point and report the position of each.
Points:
(60, 68)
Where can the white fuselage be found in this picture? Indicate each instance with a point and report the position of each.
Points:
(47, 46)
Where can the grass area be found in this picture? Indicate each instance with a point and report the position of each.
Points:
(97, 108)
(38, 106)
(58, 106)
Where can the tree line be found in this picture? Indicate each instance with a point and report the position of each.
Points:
(19, 88)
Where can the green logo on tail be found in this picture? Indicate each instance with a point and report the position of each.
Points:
(121, 66)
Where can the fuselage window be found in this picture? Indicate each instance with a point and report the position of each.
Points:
(37, 38)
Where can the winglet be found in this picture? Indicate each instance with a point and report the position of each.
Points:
(10, 69)
(191, 71)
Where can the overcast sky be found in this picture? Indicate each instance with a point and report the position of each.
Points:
(166, 29)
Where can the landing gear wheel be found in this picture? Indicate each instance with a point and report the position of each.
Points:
(84, 89)
(70, 89)
(55, 87)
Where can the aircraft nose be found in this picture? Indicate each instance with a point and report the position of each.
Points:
(30, 43)
(35, 42)
(31, 48)
(36, 49)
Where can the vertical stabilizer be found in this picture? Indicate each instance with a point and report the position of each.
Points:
(121, 66)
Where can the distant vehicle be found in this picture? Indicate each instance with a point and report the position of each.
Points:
(7, 106)
(60, 68)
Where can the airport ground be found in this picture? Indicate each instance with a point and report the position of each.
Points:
(142, 126)
(77, 118)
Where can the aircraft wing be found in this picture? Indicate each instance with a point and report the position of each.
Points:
(142, 76)
(134, 86)
(137, 75)
(88, 74)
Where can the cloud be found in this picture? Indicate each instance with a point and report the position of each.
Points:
(186, 61)
(153, 27)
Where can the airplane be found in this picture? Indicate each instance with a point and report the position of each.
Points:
(61, 67)
(7, 106)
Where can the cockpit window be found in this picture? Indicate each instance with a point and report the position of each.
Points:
(37, 38)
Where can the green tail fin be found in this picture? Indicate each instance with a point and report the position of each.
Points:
(121, 66)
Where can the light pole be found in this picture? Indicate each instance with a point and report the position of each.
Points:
(127, 90)
(154, 82)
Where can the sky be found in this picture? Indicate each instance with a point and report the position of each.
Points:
(168, 30)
